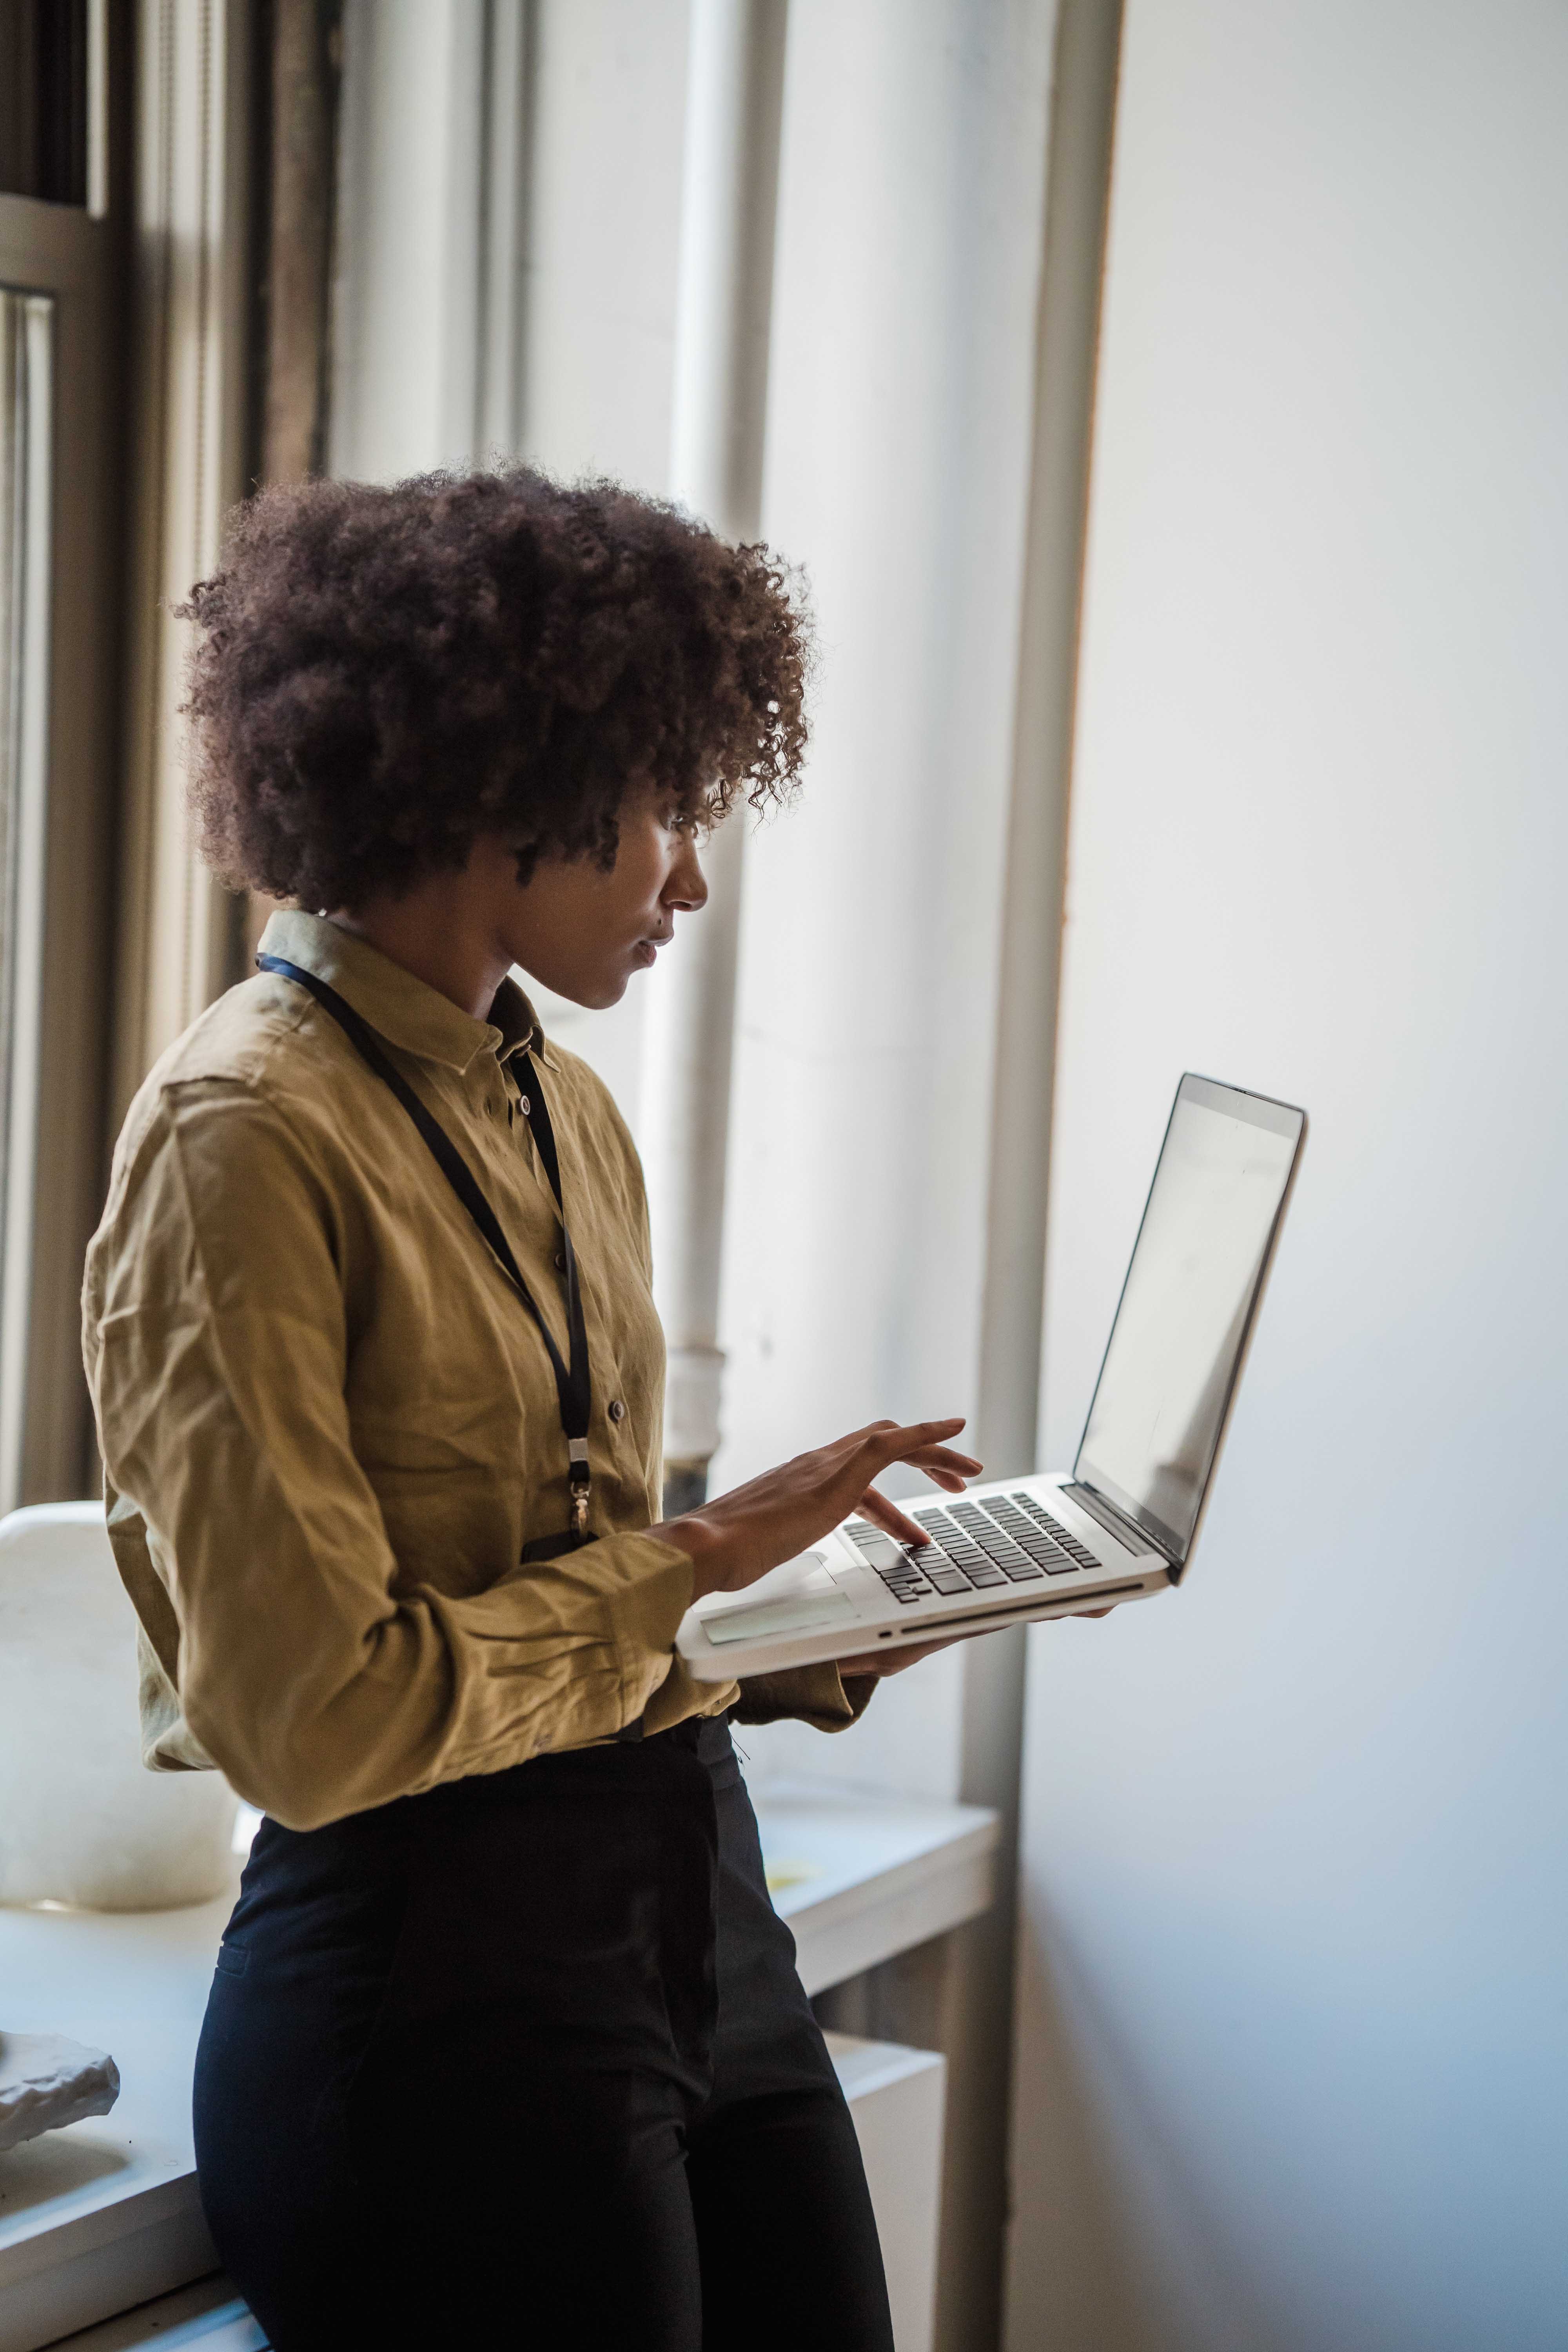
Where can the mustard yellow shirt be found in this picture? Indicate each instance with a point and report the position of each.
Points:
(329, 1427)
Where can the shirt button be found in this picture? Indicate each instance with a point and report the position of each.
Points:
(617, 1409)
(559, 1261)
(524, 1105)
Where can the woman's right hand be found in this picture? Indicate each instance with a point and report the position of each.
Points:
(738, 1537)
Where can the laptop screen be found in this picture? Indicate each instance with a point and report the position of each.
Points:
(1175, 1346)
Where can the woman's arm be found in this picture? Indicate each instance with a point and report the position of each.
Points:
(217, 1346)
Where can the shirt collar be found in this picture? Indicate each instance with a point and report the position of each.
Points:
(406, 1012)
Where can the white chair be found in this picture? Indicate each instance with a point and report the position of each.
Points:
(81, 1822)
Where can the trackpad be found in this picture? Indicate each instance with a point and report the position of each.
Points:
(806, 1615)
(812, 1601)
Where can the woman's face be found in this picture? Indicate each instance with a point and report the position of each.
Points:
(583, 932)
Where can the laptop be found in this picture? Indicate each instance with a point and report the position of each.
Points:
(1123, 1522)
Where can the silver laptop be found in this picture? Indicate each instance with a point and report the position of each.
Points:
(1123, 1522)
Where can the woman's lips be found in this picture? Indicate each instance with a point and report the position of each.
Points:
(644, 952)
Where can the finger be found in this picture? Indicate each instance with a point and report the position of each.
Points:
(882, 1662)
(943, 1457)
(919, 1650)
(892, 1441)
(877, 1454)
(953, 1475)
(890, 1520)
(884, 1428)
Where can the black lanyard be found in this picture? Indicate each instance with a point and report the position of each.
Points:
(572, 1379)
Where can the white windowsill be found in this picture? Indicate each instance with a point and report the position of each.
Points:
(876, 1875)
(108, 2209)
(105, 2214)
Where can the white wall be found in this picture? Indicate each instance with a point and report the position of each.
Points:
(1294, 2064)
(901, 414)
(900, 405)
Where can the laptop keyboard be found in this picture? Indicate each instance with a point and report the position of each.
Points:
(974, 1548)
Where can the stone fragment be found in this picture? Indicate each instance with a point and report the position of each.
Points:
(46, 2081)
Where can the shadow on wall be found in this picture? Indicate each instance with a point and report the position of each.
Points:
(1109, 2189)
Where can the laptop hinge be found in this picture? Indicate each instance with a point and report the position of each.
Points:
(1126, 1532)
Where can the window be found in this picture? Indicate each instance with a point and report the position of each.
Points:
(59, 540)
(44, 82)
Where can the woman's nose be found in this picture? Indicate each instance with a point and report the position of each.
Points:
(686, 889)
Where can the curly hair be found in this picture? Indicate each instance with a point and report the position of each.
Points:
(379, 675)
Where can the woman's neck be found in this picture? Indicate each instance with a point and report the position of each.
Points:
(432, 932)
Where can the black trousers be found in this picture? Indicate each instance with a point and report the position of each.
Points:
(525, 2062)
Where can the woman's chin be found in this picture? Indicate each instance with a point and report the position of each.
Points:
(595, 993)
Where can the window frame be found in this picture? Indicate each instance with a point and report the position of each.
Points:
(63, 252)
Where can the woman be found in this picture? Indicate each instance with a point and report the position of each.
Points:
(505, 2045)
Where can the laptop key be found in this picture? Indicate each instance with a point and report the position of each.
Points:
(1054, 1528)
(998, 1549)
(995, 1544)
(980, 1526)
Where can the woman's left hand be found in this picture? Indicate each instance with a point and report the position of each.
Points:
(877, 1664)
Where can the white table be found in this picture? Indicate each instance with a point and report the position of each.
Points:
(105, 2215)
(862, 1877)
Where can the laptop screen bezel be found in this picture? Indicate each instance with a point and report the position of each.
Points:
(1278, 1119)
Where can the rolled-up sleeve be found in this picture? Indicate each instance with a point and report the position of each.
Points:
(311, 1667)
(815, 1695)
